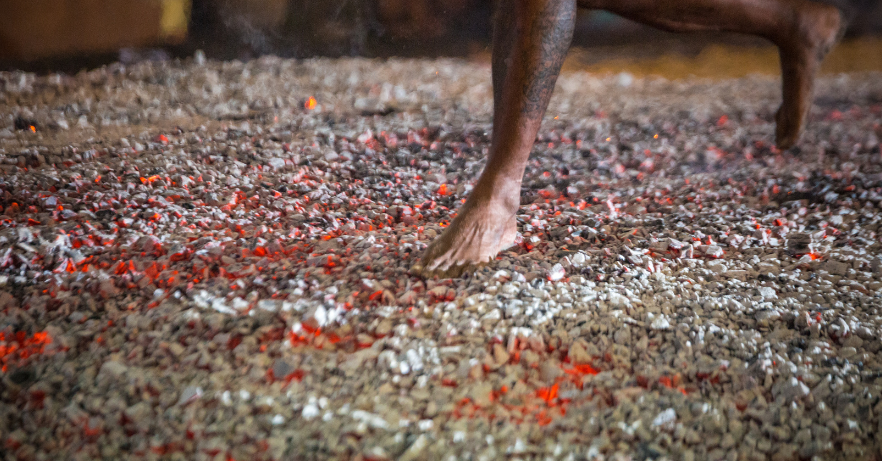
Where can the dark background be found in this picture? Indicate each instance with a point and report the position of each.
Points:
(418, 28)
(241, 29)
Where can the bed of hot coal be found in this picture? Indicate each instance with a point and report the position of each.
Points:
(204, 260)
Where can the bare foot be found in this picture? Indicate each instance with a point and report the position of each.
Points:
(480, 230)
(818, 28)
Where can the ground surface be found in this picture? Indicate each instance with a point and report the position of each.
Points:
(198, 261)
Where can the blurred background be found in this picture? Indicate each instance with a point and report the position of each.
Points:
(71, 35)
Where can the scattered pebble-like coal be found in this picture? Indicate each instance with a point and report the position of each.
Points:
(206, 260)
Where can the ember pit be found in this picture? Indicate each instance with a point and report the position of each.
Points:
(209, 260)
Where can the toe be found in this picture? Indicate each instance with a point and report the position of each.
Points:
(785, 144)
(435, 256)
(785, 139)
(788, 128)
(417, 269)
(454, 271)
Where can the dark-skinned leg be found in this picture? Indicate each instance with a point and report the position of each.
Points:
(803, 30)
(531, 38)
(504, 30)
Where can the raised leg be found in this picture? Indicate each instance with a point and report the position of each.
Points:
(803, 30)
(530, 40)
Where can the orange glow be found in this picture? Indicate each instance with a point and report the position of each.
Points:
(19, 347)
(310, 103)
(581, 369)
(150, 179)
(548, 393)
(33, 129)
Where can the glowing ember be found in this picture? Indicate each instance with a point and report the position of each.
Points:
(19, 347)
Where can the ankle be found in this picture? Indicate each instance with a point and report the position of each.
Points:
(498, 192)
